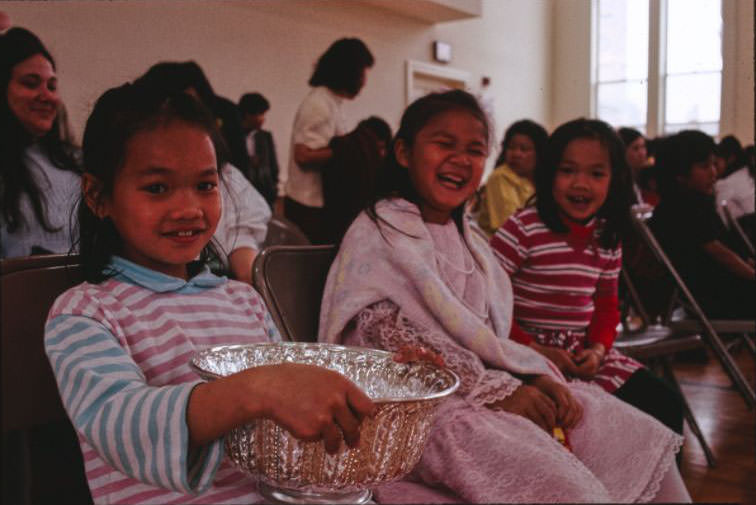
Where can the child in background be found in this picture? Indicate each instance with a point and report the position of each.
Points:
(410, 272)
(510, 185)
(564, 257)
(692, 234)
(120, 343)
(636, 156)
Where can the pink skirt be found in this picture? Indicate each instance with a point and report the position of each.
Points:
(615, 369)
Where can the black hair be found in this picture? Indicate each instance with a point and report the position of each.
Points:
(614, 214)
(340, 67)
(676, 155)
(748, 154)
(177, 76)
(535, 132)
(651, 146)
(17, 45)
(394, 180)
(117, 116)
(629, 135)
(732, 151)
(378, 127)
(170, 77)
(253, 103)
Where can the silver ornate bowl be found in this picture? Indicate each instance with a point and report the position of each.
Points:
(391, 443)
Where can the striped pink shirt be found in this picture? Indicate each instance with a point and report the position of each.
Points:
(120, 351)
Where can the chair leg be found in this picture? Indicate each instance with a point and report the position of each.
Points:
(688, 413)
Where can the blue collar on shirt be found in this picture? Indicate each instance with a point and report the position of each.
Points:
(128, 271)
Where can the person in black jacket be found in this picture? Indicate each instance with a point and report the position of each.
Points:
(691, 233)
(349, 177)
(263, 164)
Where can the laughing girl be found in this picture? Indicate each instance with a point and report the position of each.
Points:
(410, 272)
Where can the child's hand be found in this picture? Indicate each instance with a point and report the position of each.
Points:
(569, 410)
(529, 402)
(311, 402)
(589, 362)
(561, 358)
(417, 353)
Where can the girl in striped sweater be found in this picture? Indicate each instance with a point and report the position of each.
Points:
(119, 343)
(564, 257)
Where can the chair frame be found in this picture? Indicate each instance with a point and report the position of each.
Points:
(290, 232)
(734, 224)
(702, 322)
(269, 289)
(654, 344)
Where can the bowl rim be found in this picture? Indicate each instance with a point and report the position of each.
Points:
(447, 391)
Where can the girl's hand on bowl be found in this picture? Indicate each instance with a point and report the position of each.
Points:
(410, 353)
(311, 402)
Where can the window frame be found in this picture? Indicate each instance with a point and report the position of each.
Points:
(657, 66)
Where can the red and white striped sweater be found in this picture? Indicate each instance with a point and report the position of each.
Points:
(561, 281)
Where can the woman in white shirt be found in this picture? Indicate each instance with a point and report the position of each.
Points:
(339, 74)
(39, 174)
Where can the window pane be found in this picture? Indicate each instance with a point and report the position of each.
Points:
(623, 40)
(710, 128)
(623, 103)
(693, 98)
(694, 36)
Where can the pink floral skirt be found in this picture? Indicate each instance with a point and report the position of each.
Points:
(615, 369)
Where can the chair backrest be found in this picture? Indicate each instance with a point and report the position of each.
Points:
(709, 334)
(645, 280)
(29, 288)
(291, 281)
(33, 417)
(281, 231)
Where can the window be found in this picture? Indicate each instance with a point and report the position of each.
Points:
(622, 90)
(659, 64)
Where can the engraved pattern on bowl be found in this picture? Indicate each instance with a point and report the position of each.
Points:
(391, 442)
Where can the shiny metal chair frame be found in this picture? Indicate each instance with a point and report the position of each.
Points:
(700, 322)
(281, 231)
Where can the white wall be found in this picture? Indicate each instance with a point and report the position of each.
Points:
(571, 78)
(738, 84)
(270, 46)
(571, 57)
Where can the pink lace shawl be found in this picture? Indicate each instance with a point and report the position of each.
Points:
(382, 263)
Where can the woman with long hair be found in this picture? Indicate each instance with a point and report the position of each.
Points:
(39, 174)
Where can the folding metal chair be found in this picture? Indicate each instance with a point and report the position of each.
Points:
(654, 344)
(735, 225)
(700, 322)
(291, 280)
(41, 455)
